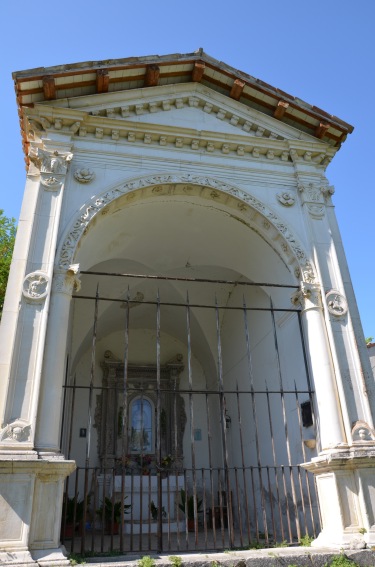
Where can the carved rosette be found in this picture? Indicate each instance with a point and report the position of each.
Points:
(166, 184)
(35, 287)
(308, 297)
(17, 431)
(66, 281)
(84, 175)
(336, 303)
(286, 198)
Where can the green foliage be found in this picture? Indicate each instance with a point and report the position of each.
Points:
(112, 509)
(283, 543)
(306, 540)
(187, 504)
(154, 511)
(7, 237)
(176, 560)
(362, 531)
(341, 561)
(72, 510)
(369, 340)
(146, 561)
(76, 559)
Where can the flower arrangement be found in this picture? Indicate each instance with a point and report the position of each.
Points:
(167, 461)
(138, 461)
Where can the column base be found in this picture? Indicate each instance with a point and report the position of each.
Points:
(30, 507)
(346, 490)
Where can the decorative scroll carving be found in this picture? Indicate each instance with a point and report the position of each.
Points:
(336, 303)
(18, 430)
(362, 433)
(308, 297)
(286, 198)
(84, 175)
(35, 286)
(93, 207)
(50, 162)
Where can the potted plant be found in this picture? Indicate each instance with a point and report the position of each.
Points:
(72, 515)
(155, 511)
(111, 511)
(187, 507)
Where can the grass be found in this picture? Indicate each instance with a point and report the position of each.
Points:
(146, 561)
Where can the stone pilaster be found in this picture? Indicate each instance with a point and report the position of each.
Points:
(47, 439)
(22, 372)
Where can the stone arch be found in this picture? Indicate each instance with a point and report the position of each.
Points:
(260, 217)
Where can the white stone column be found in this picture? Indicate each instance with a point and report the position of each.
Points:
(330, 425)
(47, 438)
(23, 372)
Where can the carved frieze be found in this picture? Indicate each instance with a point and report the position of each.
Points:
(35, 286)
(98, 203)
(336, 303)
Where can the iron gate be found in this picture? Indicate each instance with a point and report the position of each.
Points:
(176, 454)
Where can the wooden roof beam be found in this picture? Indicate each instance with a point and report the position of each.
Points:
(198, 71)
(49, 87)
(102, 81)
(152, 76)
(280, 109)
(236, 90)
(321, 130)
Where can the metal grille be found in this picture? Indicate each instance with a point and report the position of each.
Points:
(176, 458)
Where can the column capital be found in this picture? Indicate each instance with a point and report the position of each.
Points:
(51, 164)
(66, 281)
(308, 296)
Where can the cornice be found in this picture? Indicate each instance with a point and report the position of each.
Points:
(257, 143)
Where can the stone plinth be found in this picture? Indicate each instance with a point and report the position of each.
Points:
(346, 487)
(30, 509)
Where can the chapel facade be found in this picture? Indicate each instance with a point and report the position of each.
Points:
(182, 360)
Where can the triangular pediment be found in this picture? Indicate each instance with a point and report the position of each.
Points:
(188, 106)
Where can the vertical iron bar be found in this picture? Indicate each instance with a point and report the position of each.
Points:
(253, 406)
(158, 431)
(209, 435)
(243, 466)
(92, 376)
(223, 425)
(191, 416)
(285, 420)
(274, 462)
(64, 402)
(238, 505)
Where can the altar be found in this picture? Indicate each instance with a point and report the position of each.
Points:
(140, 491)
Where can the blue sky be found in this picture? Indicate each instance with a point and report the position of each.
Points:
(322, 51)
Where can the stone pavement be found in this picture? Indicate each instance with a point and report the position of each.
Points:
(275, 557)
